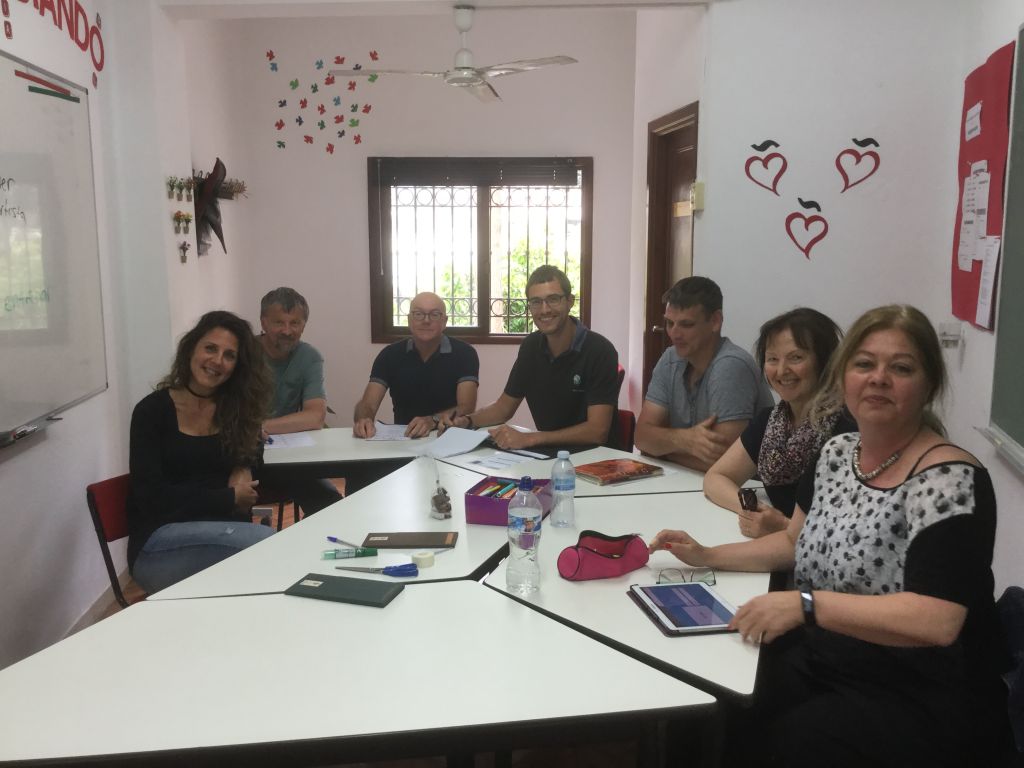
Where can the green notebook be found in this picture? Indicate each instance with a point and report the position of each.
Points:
(343, 589)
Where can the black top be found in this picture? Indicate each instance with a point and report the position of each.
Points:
(783, 497)
(932, 535)
(175, 478)
(559, 390)
(422, 388)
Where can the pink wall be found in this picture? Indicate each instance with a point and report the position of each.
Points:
(304, 223)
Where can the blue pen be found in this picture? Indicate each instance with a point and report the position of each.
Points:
(406, 569)
(270, 440)
(336, 540)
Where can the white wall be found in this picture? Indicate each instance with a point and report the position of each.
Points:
(304, 223)
(50, 563)
(892, 71)
(669, 75)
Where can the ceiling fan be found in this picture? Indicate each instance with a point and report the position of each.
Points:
(476, 80)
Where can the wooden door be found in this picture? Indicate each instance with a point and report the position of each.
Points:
(671, 171)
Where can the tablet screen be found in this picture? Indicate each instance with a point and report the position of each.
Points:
(686, 607)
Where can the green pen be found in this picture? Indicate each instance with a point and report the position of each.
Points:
(342, 553)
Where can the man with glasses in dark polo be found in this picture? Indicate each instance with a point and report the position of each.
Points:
(430, 374)
(566, 372)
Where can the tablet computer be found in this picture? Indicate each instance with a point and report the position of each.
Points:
(684, 608)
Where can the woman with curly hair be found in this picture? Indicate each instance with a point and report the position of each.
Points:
(193, 442)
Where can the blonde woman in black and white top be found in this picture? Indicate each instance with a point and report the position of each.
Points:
(895, 659)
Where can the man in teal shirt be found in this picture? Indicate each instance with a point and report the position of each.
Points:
(300, 401)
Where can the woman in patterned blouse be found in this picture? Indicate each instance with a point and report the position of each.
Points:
(892, 653)
(781, 442)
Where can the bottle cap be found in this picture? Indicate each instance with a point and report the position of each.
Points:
(563, 454)
(526, 483)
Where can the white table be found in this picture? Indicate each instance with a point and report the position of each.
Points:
(338, 445)
(287, 680)
(400, 502)
(602, 609)
(337, 453)
(676, 478)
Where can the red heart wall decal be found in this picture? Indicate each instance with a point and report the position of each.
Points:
(853, 173)
(771, 180)
(808, 238)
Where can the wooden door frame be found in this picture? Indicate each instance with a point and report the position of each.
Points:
(658, 278)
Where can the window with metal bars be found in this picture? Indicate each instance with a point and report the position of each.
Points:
(472, 230)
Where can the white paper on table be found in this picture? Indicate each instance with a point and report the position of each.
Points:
(454, 441)
(499, 460)
(291, 440)
(967, 247)
(989, 265)
(972, 125)
(389, 432)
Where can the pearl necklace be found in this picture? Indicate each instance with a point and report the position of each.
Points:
(865, 476)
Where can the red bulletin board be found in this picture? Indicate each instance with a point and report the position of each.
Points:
(989, 84)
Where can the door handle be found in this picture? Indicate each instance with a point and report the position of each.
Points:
(657, 329)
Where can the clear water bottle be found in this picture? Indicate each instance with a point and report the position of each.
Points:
(522, 576)
(563, 483)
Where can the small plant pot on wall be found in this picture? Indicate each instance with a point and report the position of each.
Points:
(182, 220)
(172, 183)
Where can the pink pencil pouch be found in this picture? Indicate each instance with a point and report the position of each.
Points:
(597, 556)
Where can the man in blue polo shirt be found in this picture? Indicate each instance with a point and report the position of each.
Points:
(300, 401)
(704, 388)
(567, 373)
(430, 374)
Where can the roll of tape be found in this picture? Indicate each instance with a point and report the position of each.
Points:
(423, 559)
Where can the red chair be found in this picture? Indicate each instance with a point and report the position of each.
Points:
(108, 505)
(626, 427)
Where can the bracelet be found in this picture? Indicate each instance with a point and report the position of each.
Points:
(807, 604)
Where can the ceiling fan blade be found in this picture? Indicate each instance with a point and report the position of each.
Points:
(513, 67)
(485, 91)
(368, 72)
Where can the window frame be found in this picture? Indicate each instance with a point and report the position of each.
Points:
(483, 173)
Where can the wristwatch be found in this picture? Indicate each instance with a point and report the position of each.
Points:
(807, 604)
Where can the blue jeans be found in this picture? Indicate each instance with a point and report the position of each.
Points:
(177, 550)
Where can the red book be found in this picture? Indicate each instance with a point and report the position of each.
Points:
(611, 471)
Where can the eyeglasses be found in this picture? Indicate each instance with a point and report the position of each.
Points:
(677, 575)
(554, 301)
(419, 315)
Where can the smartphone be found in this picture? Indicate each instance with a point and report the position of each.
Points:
(748, 499)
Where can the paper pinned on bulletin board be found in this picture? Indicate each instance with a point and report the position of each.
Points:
(981, 167)
(987, 287)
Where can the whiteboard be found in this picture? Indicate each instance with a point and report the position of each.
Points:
(52, 352)
(1006, 427)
